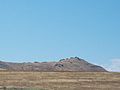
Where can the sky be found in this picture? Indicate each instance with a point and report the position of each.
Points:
(49, 30)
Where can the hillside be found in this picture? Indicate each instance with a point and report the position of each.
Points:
(68, 64)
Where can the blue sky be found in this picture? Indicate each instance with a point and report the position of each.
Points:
(48, 30)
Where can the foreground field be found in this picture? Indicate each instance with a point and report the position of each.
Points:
(60, 80)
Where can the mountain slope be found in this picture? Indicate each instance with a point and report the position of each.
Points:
(68, 64)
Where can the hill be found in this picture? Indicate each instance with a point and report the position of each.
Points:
(68, 64)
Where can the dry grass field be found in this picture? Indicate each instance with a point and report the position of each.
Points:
(61, 80)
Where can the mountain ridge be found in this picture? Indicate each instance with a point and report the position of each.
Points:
(68, 64)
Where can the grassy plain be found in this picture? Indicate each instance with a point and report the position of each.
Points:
(60, 80)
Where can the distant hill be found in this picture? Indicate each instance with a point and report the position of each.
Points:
(68, 64)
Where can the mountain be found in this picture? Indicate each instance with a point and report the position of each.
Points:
(68, 64)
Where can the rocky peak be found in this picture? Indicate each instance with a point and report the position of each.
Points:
(71, 58)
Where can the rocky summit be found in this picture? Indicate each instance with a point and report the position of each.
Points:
(68, 64)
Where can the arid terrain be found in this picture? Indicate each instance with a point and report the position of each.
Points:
(60, 80)
(66, 74)
(68, 64)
